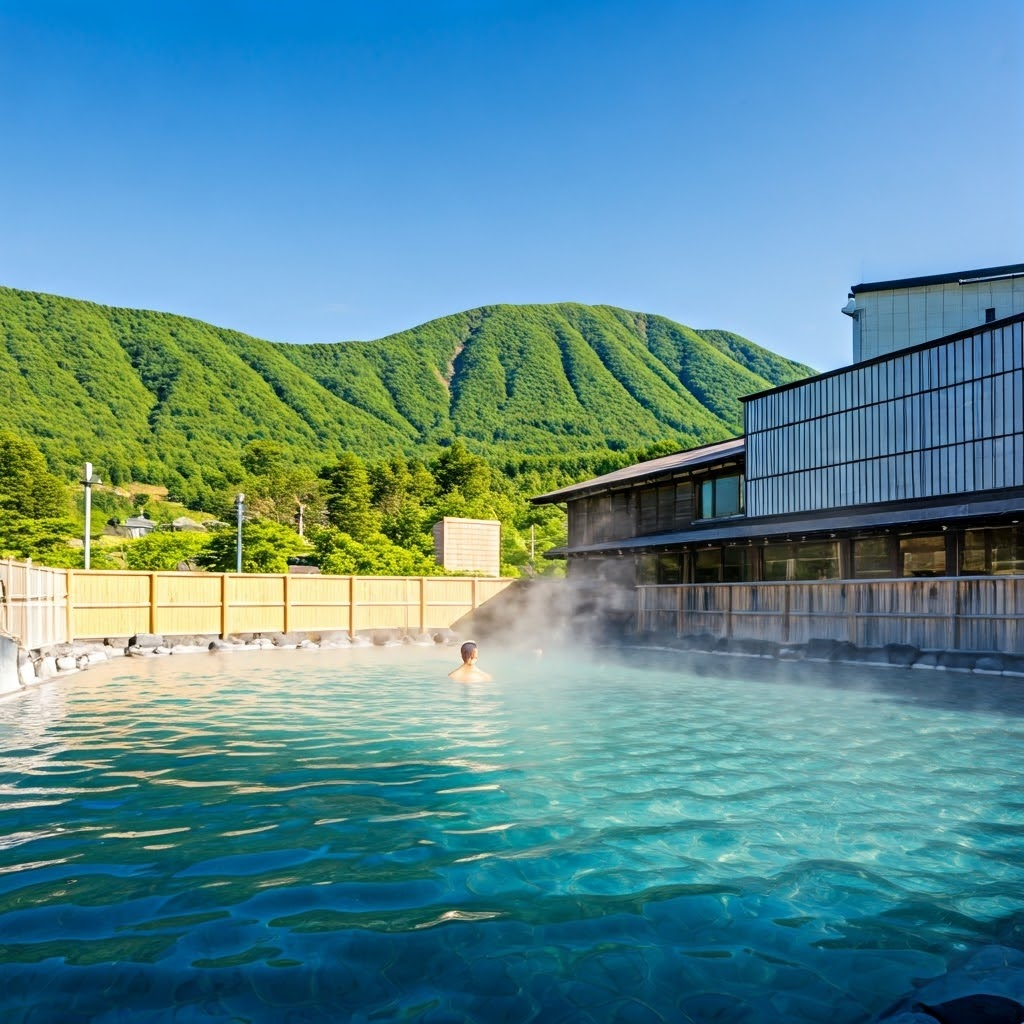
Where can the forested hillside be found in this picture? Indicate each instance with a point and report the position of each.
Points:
(163, 399)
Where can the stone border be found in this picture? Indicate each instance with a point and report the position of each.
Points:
(62, 659)
(840, 652)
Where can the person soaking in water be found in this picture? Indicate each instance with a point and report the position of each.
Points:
(467, 672)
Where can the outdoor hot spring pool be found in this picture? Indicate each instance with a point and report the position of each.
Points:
(349, 835)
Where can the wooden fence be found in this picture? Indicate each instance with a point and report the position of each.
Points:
(82, 604)
(968, 613)
(33, 602)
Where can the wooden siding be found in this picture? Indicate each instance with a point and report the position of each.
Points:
(620, 515)
(45, 606)
(944, 420)
(964, 613)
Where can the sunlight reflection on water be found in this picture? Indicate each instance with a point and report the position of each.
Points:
(346, 834)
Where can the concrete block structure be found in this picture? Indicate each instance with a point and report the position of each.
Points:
(468, 545)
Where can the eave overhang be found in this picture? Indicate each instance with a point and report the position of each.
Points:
(646, 472)
(744, 529)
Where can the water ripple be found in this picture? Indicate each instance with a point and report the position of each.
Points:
(353, 837)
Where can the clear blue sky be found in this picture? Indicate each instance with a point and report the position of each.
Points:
(333, 171)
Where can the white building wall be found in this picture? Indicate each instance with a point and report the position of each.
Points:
(888, 320)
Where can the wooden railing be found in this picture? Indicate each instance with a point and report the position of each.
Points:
(44, 606)
(968, 613)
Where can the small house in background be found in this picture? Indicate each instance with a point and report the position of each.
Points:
(468, 545)
(135, 527)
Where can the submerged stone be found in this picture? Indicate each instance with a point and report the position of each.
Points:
(976, 1009)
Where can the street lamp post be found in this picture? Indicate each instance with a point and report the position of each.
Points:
(88, 482)
(240, 509)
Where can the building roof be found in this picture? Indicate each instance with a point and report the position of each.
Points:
(739, 528)
(140, 523)
(694, 458)
(959, 277)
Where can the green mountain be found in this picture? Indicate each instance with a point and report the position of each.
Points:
(158, 398)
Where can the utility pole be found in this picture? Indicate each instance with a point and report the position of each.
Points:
(240, 509)
(88, 481)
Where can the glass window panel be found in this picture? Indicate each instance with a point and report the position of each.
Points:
(1007, 551)
(974, 559)
(777, 561)
(669, 569)
(707, 565)
(736, 565)
(647, 569)
(818, 560)
(707, 499)
(871, 558)
(922, 556)
(727, 496)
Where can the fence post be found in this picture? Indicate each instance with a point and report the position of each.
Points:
(473, 593)
(154, 618)
(70, 609)
(957, 615)
(223, 606)
(785, 614)
(423, 604)
(287, 599)
(352, 606)
(28, 618)
(679, 611)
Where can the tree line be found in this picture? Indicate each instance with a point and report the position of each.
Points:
(352, 517)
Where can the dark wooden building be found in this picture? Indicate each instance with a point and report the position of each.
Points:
(908, 464)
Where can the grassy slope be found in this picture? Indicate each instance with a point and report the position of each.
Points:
(162, 398)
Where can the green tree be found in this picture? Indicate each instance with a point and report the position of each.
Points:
(375, 555)
(43, 540)
(349, 504)
(163, 550)
(458, 469)
(399, 489)
(27, 487)
(264, 458)
(266, 547)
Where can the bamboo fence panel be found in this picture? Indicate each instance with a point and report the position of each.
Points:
(318, 603)
(254, 603)
(107, 603)
(33, 602)
(186, 603)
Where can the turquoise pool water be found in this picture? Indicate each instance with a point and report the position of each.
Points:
(333, 836)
